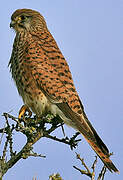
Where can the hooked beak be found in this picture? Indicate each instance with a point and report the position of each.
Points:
(12, 24)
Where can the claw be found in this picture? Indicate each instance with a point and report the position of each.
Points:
(23, 110)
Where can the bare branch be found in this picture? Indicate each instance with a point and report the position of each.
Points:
(35, 154)
(87, 172)
(102, 173)
(72, 142)
(93, 168)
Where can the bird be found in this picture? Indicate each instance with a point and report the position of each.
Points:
(44, 81)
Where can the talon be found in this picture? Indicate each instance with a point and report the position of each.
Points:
(22, 111)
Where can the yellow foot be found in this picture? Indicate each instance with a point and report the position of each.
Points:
(23, 110)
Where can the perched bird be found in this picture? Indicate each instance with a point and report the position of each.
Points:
(44, 80)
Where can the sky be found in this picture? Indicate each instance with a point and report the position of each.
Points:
(89, 34)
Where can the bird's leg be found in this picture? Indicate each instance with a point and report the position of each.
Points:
(23, 110)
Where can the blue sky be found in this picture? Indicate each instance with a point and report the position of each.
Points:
(89, 34)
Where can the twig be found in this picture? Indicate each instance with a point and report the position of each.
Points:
(2, 131)
(87, 171)
(82, 171)
(35, 154)
(83, 163)
(66, 140)
(102, 173)
(93, 168)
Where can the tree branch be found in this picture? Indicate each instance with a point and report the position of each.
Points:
(34, 129)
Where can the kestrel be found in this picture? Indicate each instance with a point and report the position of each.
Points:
(44, 80)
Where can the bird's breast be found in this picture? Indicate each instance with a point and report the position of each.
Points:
(37, 102)
(40, 105)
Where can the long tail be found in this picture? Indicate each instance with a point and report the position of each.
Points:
(96, 143)
(104, 157)
(98, 146)
(83, 125)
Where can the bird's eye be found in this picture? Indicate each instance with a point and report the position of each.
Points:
(23, 17)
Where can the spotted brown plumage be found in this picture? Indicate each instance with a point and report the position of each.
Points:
(44, 80)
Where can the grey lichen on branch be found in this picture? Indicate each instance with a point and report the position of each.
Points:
(55, 176)
(34, 129)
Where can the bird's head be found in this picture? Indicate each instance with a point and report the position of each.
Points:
(27, 20)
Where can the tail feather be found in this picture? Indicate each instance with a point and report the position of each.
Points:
(98, 146)
(104, 157)
(83, 125)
